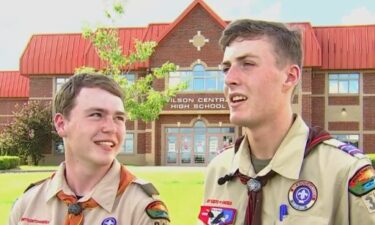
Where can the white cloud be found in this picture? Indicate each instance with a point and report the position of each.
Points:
(359, 15)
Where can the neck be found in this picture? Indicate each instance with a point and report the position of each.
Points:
(82, 178)
(266, 139)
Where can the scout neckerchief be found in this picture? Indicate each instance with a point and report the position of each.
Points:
(75, 215)
(254, 204)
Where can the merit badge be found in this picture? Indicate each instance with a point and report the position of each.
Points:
(210, 215)
(157, 210)
(109, 221)
(363, 181)
(302, 195)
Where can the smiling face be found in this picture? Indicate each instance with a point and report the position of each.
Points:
(95, 128)
(254, 84)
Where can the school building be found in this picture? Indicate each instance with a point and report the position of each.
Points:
(337, 90)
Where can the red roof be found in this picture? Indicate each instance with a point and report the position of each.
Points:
(13, 85)
(347, 47)
(350, 47)
(45, 53)
(311, 48)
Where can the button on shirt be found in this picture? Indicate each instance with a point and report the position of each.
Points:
(327, 168)
(39, 205)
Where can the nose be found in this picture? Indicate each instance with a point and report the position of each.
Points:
(109, 125)
(231, 77)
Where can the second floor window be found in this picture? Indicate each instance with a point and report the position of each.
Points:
(344, 83)
(199, 79)
(60, 81)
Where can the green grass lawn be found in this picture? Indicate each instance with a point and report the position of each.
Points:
(181, 189)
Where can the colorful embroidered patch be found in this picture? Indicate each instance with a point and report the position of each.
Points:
(109, 221)
(350, 149)
(157, 210)
(211, 215)
(363, 181)
(302, 195)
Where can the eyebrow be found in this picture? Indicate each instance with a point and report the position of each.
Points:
(118, 113)
(240, 58)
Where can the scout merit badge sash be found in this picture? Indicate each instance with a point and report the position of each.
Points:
(75, 209)
(254, 205)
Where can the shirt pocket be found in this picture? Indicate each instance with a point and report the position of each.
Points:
(305, 220)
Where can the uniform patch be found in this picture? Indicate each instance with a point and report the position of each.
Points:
(109, 221)
(369, 201)
(350, 149)
(212, 215)
(157, 210)
(363, 181)
(302, 195)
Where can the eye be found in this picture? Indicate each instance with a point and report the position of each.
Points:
(225, 69)
(120, 118)
(95, 115)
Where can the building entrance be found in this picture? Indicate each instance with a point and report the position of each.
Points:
(198, 145)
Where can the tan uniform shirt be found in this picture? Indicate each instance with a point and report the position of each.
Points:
(39, 205)
(328, 168)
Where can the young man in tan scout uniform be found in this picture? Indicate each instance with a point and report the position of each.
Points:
(281, 171)
(91, 186)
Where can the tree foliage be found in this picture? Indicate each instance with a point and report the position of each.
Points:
(29, 133)
(142, 101)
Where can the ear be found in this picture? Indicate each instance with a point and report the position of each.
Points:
(60, 122)
(293, 75)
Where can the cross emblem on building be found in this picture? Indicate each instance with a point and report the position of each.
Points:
(199, 40)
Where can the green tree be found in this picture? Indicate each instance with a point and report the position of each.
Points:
(142, 101)
(29, 133)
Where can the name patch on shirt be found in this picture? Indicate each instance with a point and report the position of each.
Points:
(363, 181)
(211, 215)
(302, 195)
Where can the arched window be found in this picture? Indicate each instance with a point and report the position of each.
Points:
(199, 79)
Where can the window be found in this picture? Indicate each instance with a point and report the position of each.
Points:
(352, 139)
(344, 83)
(128, 146)
(199, 79)
(59, 147)
(130, 77)
(60, 81)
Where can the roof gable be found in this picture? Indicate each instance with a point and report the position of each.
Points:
(195, 3)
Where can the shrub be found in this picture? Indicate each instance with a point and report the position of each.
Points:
(372, 157)
(9, 162)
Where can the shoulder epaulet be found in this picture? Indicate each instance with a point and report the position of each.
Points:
(36, 184)
(348, 148)
(147, 187)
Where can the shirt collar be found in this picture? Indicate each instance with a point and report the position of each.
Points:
(104, 192)
(287, 160)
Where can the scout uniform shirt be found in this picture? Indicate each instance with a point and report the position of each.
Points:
(135, 206)
(328, 187)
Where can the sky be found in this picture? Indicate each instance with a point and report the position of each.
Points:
(20, 19)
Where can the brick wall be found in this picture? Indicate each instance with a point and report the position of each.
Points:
(141, 148)
(343, 100)
(369, 113)
(318, 113)
(306, 109)
(175, 47)
(343, 126)
(318, 83)
(369, 143)
(8, 105)
(41, 87)
(369, 83)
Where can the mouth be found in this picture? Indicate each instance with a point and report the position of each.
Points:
(236, 98)
(106, 143)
